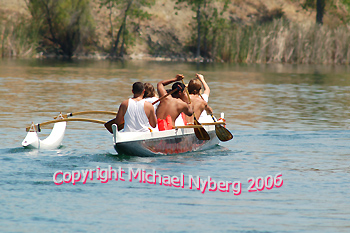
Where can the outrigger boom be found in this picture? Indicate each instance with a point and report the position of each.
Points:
(64, 119)
(88, 112)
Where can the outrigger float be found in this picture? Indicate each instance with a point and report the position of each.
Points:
(181, 139)
(54, 140)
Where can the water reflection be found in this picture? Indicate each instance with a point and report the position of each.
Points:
(252, 96)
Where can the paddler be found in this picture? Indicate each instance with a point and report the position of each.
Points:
(150, 94)
(136, 113)
(199, 104)
(170, 108)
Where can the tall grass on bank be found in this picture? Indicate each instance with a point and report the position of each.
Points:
(283, 41)
(18, 38)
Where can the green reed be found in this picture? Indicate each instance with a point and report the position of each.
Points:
(283, 41)
(19, 37)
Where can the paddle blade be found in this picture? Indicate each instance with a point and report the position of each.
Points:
(201, 133)
(222, 133)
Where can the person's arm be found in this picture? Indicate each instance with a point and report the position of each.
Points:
(109, 124)
(118, 120)
(205, 85)
(149, 109)
(121, 112)
(161, 85)
(208, 108)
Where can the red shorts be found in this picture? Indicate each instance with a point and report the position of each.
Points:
(184, 117)
(165, 124)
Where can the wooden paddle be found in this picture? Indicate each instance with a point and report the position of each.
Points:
(87, 112)
(167, 94)
(221, 132)
(109, 124)
(197, 126)
(201, 133)
(65, 119)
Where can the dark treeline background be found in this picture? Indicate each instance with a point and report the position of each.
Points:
(291, 31)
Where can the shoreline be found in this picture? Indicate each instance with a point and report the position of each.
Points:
(134, 56)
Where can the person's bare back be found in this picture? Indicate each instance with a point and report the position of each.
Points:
(197, 102)
(198, 106)
(170, 106)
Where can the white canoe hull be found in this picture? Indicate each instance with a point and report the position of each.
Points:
(166, 142)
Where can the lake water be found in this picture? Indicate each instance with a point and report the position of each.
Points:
(287, 119)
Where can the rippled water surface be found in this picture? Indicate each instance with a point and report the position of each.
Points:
(289, 120)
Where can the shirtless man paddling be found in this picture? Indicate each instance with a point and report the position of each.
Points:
(197, 102)
(170, 107)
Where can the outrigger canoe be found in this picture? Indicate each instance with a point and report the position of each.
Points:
(181, 139)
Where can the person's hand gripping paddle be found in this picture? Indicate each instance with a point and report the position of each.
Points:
(221, 132)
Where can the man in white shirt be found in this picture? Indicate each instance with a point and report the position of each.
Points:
(137, 114)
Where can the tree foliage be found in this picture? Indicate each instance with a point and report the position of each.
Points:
(131, 13)
(209, 20)
(64, 25)
(338, 8)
